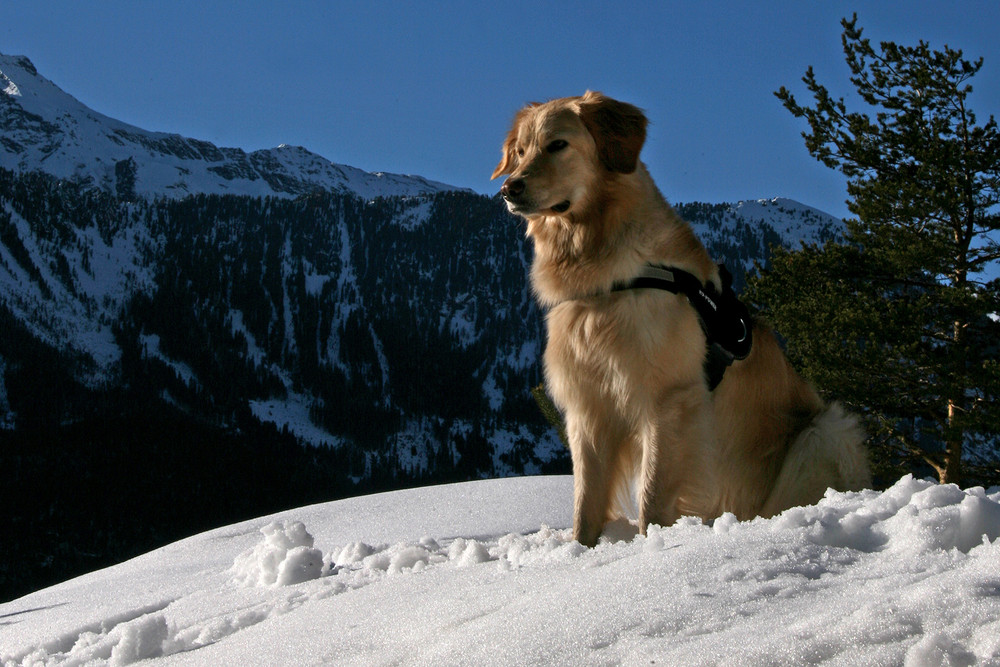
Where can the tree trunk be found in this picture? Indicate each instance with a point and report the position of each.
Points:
(951, 473)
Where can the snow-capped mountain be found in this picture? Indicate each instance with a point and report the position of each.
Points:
(742, 234)
(396, 336)
(45, 128)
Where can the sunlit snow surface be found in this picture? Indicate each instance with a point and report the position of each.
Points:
(485, 573)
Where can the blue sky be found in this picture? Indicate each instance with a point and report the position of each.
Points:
(429, 88)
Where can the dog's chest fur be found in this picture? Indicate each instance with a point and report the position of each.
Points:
(622, 348)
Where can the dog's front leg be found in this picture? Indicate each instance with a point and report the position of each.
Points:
(595, 473)
(676, 449)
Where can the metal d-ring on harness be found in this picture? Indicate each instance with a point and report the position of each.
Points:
(725, 320)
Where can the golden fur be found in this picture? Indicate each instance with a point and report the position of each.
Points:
(626, 367)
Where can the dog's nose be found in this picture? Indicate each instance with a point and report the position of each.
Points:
(512, 187)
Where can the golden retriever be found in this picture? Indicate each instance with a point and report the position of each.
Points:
(626, 367)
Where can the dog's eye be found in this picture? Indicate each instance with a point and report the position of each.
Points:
(520, 152)
(556, 146)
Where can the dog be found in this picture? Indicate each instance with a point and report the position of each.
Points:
(626, 367)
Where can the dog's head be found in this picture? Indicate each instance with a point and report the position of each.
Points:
(557, 153)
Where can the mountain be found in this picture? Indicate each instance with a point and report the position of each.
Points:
(415, 305)
(45, 128)
(741, 235)
(355, 342)
(486, 573)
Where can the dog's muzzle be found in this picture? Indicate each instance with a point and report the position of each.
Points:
(514, 192)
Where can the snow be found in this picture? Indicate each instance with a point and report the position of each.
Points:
(292, 413)
(315, 282)
(486, 573)
(151, 350)
(409, 444)
(415, 214)
(458, 318)
(9, 87)
(76, 316)
(791, 219)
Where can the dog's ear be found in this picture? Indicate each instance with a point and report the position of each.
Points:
(506, 165)
(618, 128)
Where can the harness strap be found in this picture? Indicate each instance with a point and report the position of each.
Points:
(725, 321)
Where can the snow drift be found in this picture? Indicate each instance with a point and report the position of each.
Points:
(486, 573)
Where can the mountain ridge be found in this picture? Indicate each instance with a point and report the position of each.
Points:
(48, 129)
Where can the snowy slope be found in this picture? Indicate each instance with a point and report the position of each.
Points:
(789, 218)
(741, 235)
(42, 127)
(485, 573)
(72, 310)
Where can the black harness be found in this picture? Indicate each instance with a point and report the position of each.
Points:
(725, 320)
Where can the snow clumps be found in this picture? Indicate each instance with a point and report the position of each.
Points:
(911, 517)
(286, 556)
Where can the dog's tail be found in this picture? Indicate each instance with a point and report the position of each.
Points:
(829, 453)
(623, 503)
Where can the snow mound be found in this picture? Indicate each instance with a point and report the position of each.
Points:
(912, 517)
(286, 556)
(908, 576)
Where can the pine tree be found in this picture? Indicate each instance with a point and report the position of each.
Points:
(900, 317)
